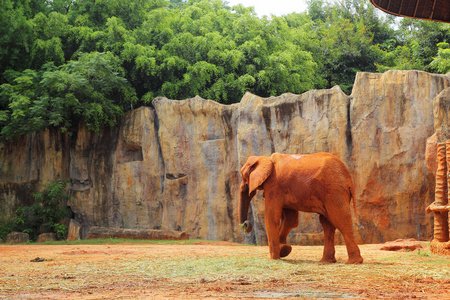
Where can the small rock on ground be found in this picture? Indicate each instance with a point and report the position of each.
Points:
(402, 245)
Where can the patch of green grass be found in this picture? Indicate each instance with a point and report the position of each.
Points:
(420, 257)
(423, 253)
(436, 260)
(113, 241)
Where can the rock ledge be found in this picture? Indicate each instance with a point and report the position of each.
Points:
(143, 234)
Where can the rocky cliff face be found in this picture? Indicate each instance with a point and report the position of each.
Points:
(391, 118)
(177, 166)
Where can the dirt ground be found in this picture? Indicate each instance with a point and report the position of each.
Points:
(216, 270)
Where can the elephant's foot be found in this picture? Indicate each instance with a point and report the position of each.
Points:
(285, 250)
(274, 255)
(328, 259)
(355, 260)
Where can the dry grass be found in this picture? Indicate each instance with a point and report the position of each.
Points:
(230, 269)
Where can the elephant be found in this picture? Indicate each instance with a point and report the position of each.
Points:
(319, 183)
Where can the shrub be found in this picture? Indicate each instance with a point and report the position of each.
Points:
(46, 213)
(5, 228)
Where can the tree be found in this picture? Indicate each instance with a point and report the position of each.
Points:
(65, 61)
(15, 38)
(131, 12)
(441, 63)
(346, 49)
(90, 90)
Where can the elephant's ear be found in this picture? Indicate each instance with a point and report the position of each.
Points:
(259, 172)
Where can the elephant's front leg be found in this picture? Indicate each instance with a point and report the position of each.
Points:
(289, 220)
(272, 218)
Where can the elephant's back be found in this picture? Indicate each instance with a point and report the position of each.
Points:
(331, 165)
(310, 162)
(322, 168)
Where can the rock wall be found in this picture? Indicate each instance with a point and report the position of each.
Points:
(27, 163)
(391, 119)
(176, 166)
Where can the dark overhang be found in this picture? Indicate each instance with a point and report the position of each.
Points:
(433, 10)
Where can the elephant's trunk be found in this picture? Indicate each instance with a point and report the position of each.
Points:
(244, 203)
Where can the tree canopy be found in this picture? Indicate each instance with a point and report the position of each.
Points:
(66, 61)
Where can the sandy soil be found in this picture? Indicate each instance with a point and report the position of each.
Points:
(216, 270)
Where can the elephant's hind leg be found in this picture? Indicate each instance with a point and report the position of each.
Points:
(328, 249)
(342, 219)
(289, 220)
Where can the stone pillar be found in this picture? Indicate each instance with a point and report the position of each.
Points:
(445, 214)
(73, 233)
(440, 207)
(441, 193)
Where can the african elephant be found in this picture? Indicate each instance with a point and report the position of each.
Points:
(318, 183)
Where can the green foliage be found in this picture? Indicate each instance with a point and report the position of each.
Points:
(66, 61)
(441, 63)
(346, 47)
(89, 89)
(6, 227)
(423, 253)
(16, 35)
(401, 58)
(61, 231)
(46, 213)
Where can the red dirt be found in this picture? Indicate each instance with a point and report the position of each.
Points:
(216, 270)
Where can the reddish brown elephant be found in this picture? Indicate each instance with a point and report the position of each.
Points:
(318, 183)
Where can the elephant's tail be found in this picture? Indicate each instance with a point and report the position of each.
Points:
(353, 197)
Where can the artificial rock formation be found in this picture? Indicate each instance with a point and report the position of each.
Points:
(402, 245)
(438, 161)
(391, 119)
(176, 166)
(17, 237)
(141, 234)
(440, 207)
(44, 237)
(73, 233)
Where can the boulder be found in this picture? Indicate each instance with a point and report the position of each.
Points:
(17, 237)
(46, 237)
(143, 234)
(73, 233)
(402, 245)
